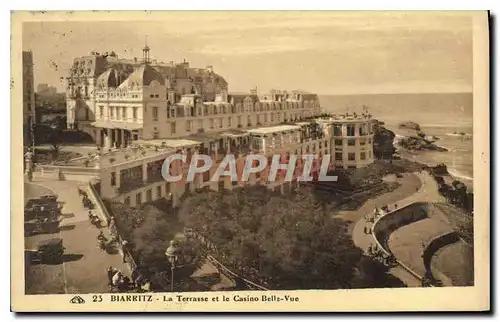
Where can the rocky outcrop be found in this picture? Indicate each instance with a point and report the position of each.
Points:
(456, 193)
(383, 142)
(420, 143)
(439, 170)
(410, 126)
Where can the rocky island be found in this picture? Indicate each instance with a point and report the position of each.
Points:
(383, 141)
(418, 143)
(410, 126)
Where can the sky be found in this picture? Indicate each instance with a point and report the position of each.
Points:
(321, 52)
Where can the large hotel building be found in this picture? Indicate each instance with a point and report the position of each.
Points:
(139, 112)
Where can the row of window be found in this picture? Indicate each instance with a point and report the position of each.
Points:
(352, 156)
(149, 195)
(81, 62)
(362, 129)
(218, 123)
(352, 142)
(181, 111)
(123, 95)
(118, 112)
(178, 111)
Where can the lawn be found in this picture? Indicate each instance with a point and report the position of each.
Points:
(456, 261)
(48, 156)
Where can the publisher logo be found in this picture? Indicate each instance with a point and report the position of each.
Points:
(77, 300)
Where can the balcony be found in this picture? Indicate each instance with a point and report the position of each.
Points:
(131, 185)
(153, 178)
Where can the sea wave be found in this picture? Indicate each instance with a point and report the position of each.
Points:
(400, 136)
(459, 135)
(446, 148)
(457, 124)
(456, 174)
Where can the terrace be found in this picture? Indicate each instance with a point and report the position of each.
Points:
(131, 153)
(221, 143)
(347, 117)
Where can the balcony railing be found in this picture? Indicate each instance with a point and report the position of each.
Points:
(132, 185)
(155, 178)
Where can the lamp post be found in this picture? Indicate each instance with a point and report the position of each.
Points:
(172, 252)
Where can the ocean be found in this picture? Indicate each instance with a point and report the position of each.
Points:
(439, 115)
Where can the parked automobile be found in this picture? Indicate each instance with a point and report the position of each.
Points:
(49, 251)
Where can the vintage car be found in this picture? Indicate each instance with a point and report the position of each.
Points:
(49, 251)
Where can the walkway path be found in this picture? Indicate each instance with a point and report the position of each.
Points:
(408, 185)
(428, 192)
(84, 269)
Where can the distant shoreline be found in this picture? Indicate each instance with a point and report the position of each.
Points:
(412, 155)
(380, 94)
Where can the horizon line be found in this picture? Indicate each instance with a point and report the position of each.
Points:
(395, 93)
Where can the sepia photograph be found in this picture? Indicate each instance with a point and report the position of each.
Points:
(252, 158)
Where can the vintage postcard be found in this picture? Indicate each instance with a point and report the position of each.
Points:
(250, 161)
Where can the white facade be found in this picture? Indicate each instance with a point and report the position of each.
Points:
(352, 141)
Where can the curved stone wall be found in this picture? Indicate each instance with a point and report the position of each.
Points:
(432, 248)
(387, 224)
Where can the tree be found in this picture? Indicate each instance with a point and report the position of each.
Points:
(287, 242)
(149, 231)
(54, 138)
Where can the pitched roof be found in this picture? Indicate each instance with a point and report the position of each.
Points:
(143, 76)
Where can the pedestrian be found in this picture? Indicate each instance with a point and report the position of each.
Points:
(111, 225)
(124, 284)
(111, 272)
(116, 278)
(101, 236)
(135, 275)
(146, 286)
(124, 250)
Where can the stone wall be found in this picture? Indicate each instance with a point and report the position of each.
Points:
(389, 223)
(431, 249)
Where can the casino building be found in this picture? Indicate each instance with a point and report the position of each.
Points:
(352, 140)
(140, 112)
(119, 101)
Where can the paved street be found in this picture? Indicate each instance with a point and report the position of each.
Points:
(409, 184)
(428, 192)
(84, 267)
